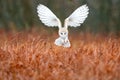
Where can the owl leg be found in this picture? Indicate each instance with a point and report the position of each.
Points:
(58, 42)
(67, 44)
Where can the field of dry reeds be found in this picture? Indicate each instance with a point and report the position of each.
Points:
(33, 56)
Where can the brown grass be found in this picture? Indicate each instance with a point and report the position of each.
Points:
(33, 56)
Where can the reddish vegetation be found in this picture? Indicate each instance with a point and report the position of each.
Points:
(33, 56)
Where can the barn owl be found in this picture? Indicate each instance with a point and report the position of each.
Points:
(49, 19)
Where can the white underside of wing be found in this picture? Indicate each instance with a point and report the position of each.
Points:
(47, 16)
(78, 16)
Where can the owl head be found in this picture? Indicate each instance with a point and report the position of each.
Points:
(63, 32)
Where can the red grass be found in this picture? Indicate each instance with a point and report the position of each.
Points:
(33, 56)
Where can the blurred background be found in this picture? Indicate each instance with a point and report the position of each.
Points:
(21, 14)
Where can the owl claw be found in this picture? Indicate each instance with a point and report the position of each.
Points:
(67, 44)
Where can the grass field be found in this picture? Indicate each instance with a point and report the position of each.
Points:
(33, 56)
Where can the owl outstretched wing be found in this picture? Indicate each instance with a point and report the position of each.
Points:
(77, 17)
(47, 16)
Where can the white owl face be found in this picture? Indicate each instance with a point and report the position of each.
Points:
(63, 32)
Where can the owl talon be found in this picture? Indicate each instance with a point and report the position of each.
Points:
(67, 44)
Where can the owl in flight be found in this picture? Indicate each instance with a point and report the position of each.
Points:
(51, 20)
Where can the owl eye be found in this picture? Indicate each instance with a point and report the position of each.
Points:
(65, 33)
(61, 33)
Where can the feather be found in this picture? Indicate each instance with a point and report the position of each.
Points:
(47, 16)
(77, 17)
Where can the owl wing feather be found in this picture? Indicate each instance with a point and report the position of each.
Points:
(77, 17)
(47, 16)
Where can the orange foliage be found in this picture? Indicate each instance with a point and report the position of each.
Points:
(33, 56)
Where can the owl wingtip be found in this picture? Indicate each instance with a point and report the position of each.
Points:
(85, 5)
(40, 5)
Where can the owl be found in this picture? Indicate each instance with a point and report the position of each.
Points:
(49, 19)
